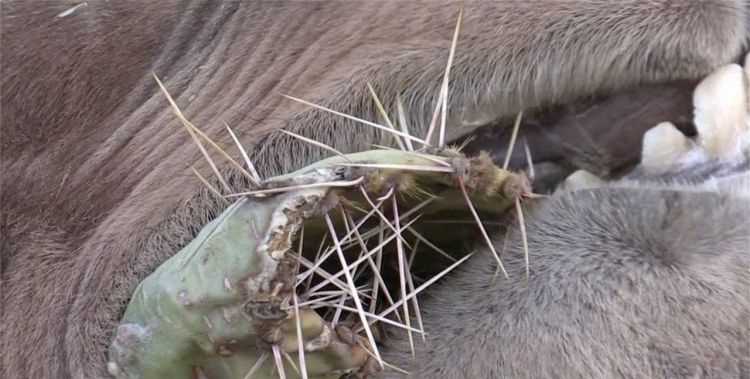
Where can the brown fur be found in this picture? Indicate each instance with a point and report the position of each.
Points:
(94, 165)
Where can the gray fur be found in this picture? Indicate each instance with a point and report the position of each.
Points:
(647, 277)
(625, 283)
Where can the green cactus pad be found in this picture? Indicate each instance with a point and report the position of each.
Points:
(219, 305)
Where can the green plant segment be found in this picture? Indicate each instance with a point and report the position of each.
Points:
(225, 304)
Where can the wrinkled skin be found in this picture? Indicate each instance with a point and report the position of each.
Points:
(96, 186)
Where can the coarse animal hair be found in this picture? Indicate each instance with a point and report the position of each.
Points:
(95, 169)
(625, 282)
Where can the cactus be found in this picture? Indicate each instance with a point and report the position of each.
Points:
(252, 288)
(225, 301)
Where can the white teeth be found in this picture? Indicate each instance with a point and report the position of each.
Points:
(113, 368)
(581, 179)
(663, 146)
(721, 107)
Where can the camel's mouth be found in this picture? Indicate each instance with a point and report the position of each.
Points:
(600, 134)
(309, 271)
(401, 220)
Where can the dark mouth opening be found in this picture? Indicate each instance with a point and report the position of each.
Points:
(599, 134)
